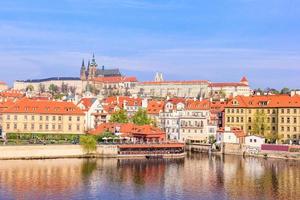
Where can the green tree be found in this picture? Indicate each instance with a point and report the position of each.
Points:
(141, 117)
(41, 88)
(119, 116)
(53, 89)
(88, 143)
(260, 123)
(30, 88)
(105, 134)
(285, 90)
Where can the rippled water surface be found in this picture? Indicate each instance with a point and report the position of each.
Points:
(195, 177)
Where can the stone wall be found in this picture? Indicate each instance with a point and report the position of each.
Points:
(53, 151)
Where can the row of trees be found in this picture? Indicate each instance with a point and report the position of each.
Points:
(284, 90)
(54, 89)
(139, 118)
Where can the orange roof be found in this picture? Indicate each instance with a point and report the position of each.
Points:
(175, 82)
(154, 107)
(12, 93)
(244, 79)
(6, 104)
(26, 105)
(166, 145)
(128, 129)
(120, 100)
(198, 105)
(237, 131)
(227, 84)
(116, 79)
(269, 101)
(2, 83)
(86, 102)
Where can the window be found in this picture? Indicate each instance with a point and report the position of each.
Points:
(59, 118)
(47, 118)
(295, 129)
(249, 127)
(7, 126)
(25, 117)
(254, 140)
(59, 127)
(32, 126)
(25, 126)
(273, 128)
(70, 118)
(282, 128)
(232, 110)
(282, 111)
(268, 119)
(41, 118)
(232, 119)
(53, 126)
(288, 120)
(274, 111)
(70, 127)
(288, 129)
(250, 140)
(16, 117)
(273, 120)
(78, 128)
(242, 110)
(53, 118)
(237, 119)
(15, 126)
(295, 111)
(250, 111)
(78, 119)
(282, 120)
(242, 119)
(47, 127)
(295, 120)
(249, 119)
(228, 119)
(8, 117)
(288, 111)
(32, 117)
(41, 127)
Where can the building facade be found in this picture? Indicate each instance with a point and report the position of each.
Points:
(274, 116)
(43, 116)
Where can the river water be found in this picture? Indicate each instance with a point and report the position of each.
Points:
(198, 176)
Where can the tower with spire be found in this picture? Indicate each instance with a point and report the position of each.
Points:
(92, 68)
(83, 71)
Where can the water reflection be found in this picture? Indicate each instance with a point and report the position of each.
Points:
(196, 177)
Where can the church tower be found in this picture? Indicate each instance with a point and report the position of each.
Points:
(92, 68)
(83, 71)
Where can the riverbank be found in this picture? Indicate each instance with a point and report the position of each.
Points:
(27, 152)
(31, 152)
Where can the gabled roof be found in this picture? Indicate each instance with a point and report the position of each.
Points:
(26, 105)
(268, 101)
(198, 105)
(244, 79)
(86, 103)
(12, 94)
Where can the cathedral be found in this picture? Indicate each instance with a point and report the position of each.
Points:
(91, 71)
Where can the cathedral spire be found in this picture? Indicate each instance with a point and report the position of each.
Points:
(82, 65)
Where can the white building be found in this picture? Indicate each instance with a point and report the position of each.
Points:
(90, 106)
(254, 141)
(230, 135)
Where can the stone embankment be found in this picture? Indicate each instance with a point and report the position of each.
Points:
(54, 151)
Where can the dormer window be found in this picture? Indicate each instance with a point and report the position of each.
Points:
(263, 103)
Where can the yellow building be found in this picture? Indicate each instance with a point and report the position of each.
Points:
(43, 116)
(281, 115)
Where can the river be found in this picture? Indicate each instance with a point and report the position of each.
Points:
(198, 176)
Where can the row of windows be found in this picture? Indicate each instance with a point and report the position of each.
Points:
(268, 120)
(288, 120)
(41, 127)
(269, 111)
(190, 131)
(41, 118)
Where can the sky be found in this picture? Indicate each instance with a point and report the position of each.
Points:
(215, 40)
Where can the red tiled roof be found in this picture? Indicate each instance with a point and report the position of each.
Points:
(174, 82)
(244, 79)
(6, 104)
(86, 102)
(271, 101)
(119, 100)
(2, 83)
(198, 105)
(154, 107)
(12, 94)
(116, 79)
(227, 84)
(26, 105)
(237, 131)
(128, 129)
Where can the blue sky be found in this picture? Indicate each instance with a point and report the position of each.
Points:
(216, 40)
